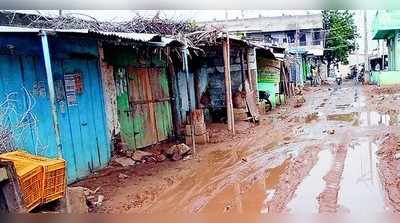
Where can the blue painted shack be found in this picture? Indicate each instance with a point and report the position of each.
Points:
(77, 89)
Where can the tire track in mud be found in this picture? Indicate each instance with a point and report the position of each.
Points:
(328, 198)
(224, 168)
(297, 170)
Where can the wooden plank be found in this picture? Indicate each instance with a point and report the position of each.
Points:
(68, 142)
(125, 117)
(142, 113)
(251, 101)
(160, 96)
(83, 154)
(98, 111)
(152, 134)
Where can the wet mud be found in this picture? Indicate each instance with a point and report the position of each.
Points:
(327, 199)
(330, 155)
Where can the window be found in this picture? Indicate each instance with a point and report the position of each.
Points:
(316, 37)
(284, 40)
(303, 39)
(290, 36)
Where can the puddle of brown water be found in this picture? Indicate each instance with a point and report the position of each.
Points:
(360, 189)
(246, 196)
(342, 117)
(364, 119)
(305, 196)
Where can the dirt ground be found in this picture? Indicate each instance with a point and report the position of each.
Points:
(335, 153)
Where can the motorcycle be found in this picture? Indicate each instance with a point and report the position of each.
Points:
(338, 80)
(264, 97)
(361, 78)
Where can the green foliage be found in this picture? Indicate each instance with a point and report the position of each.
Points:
(341, 36)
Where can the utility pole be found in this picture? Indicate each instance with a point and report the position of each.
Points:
(366, 65)
(298, 57)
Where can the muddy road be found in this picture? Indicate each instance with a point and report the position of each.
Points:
(324, 157)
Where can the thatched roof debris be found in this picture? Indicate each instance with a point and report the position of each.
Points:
(156, 25)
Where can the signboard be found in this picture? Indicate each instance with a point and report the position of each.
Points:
(70, 89)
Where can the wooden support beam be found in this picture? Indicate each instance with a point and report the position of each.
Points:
(186, 68)
(248, 69)
(228, 84)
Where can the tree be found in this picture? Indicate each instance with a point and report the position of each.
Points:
(341, 36)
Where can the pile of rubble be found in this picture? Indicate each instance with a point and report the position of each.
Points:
(174, 153)
(80, 200)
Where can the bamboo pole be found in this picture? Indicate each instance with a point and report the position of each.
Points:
(228, 84)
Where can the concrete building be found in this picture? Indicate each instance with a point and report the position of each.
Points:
(290, 31)
(386, 26)
(301, 35)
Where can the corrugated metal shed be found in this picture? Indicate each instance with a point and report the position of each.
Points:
(153, 39)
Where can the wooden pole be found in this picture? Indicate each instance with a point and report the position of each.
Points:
(248, 69)
(228, 84)
(186, 68)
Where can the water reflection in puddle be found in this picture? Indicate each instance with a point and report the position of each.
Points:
(360, 189)
(247, 197)
(363, 119)
(305, 197)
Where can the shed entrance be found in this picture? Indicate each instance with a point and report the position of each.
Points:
(149, 106)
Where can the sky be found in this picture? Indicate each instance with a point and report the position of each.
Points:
(208, 15)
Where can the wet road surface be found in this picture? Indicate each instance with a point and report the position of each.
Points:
(328, 165)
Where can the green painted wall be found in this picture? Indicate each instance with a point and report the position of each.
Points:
(271, 88)
(268, 77)
(386, 78)
(396, 56)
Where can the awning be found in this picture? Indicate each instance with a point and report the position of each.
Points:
(316, 52)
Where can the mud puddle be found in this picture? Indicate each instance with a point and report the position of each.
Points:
(228, 174)
(365, 119)
(246, 196)
(342, 117)
(360, 189)
(305, 196)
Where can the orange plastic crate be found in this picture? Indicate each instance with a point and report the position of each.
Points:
(30, 177)
(53, 174)
(54, 180)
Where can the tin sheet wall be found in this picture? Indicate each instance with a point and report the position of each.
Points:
(80, 106)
